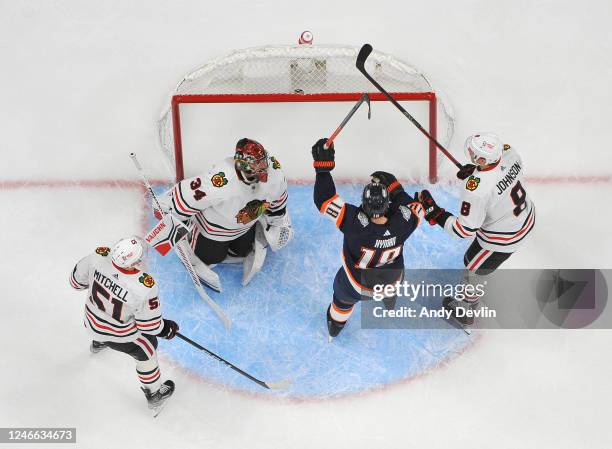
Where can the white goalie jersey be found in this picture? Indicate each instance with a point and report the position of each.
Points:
(121, 304)
(223, 207)
(495, 206)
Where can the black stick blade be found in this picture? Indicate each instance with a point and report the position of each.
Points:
(362, 56)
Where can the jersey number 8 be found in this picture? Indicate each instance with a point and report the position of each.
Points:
(519, 197)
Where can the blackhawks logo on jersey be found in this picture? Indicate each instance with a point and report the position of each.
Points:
(472, 183)
(506, 147)
(219, 180)
(275, 164)
(146, 280)
(103, 250)
(251, 211)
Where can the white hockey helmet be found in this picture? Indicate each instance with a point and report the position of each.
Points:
(485, 146)
(128, 253)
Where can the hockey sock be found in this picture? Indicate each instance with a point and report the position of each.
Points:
(340, 311)
(149, 374)
(470, 280)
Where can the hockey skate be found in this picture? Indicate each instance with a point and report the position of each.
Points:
(157, 400)
(97, 346)
(334, 327)
(458, 310)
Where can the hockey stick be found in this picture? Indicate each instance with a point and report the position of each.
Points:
(269, 386)
(364, 98)
(180, 251)
(360, 63)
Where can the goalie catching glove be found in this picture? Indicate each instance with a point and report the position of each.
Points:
(277, 229)
(324, 158)
(433, 213)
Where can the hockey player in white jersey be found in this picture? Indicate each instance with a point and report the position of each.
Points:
(236, 210)
(495, 209)
(122, 311)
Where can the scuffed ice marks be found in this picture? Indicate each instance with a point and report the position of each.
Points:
(279, 329)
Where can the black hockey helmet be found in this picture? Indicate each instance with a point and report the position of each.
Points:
(375, 200)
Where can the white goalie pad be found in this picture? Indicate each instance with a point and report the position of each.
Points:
(254, 260)
(204, 272)
(278, 231)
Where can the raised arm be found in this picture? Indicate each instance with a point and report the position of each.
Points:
(324, 163)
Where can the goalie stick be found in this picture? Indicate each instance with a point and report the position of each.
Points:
(181, 251)
(364, 99)
(365, 51)
(268, 385)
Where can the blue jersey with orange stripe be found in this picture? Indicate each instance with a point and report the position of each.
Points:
(367, 245)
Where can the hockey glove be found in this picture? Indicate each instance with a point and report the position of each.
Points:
(465, 171)
(433, 213)
(390, 181)
(277, 229)
(324, 160)
(169, 330)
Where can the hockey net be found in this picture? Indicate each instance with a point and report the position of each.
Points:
(294, 76)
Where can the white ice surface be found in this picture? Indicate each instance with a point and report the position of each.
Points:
(81, 85)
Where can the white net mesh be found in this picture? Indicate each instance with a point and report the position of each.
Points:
(301, 69)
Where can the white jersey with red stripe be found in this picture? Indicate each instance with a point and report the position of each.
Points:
(121, 304)
(222, 205)
(495, 206)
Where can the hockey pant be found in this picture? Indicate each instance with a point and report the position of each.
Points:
(213, 252)
(345, 297)
(483, 261)
(143, 350)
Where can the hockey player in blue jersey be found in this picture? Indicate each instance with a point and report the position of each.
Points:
(374, 235)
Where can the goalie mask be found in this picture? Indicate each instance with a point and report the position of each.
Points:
(375, 200)
(483, 149)
(251, 161)
(128, 253)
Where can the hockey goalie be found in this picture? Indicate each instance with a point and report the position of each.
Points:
(235, 212)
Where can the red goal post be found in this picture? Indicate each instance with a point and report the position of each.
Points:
(300, 74)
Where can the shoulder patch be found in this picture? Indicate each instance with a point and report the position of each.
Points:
(506, 147)
(275, 164)
(406, 213)
(219, 179)
(363, 219)
(146, 280)
(103, 250)
(472, 183)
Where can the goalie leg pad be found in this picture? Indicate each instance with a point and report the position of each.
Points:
(206, 275)
(255, 259)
